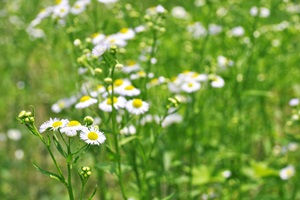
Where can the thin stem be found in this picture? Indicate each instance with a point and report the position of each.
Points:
(116, 141)
(69, 166)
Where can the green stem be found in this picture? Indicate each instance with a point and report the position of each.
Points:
(148, 67)
(69, 166)
(116, 141)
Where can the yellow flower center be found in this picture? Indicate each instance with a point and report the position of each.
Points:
(129, 87)
(141, 73)
(154, 81)
(95, 35)
(131, 63)
(118, 82)
(124, 30)
(190, 84)
(73, 123)
(57, 124)
(108, 101)
(186, 72)
(92, 135)
(99, 87)
(195, 75)
(57, 1)
(137, 103)
(84, 98)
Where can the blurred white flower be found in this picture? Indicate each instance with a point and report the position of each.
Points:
(14, 134)
(179, 12)
(294, 102)
(237, 31)
(19, 154)
(287, 172)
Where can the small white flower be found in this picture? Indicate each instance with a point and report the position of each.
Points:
(61, 10)
(106, 105)
(78, 7)
(237, 31)
(214, 29)
(137, 106)
(63, 103)
(130, 91)
(287, 172)
(294, 102)
(131, 66)
(92, 136)
(120, 84)
(99, 50)
(53, 124)
(128, 130)
(98, 38)
(107, 1)
(71, 128)
(85, 102)
(216, 81)
(172, 119)
(226, 173)
(179, 12)
(197, 30)
(190, 87)
(14, 134)
(19, 154)
(264, 12)
(126, 34)
(224, 62)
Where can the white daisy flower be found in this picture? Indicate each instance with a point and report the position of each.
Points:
(130, 91)
(137, 106)
(78, 7)
(119, 102)
(214, 29)
(141, 74)
(287, 172)
(197, 30)
(107, 1)
(85, 101)
(294, 102)
(128, 130)
(14, 134)
(63, 103)
(237, 31)
(126, 34)
(190, 87)
(71, 128)
(53, 124)
(224, 62)
(120, 84)
(216, 81)
(61, 10)
(179, 13)
(97, 38)
(99, 50)
(172, 119)
(100, 89)
(92, 136)
(115, 39)
(131, 66)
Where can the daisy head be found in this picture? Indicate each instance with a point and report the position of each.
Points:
(117, 102)
(53, 124)
(85, 101)
(130, 91)
(71, 128)
(287, 172)
(92, 136)
(137, 106)
(191, 86)
(216, 81)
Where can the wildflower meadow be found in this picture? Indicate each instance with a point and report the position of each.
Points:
(160, 100)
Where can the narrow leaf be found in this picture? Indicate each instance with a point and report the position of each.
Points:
(127, 139)
(95, 190)
(49, 174)
(59, 147)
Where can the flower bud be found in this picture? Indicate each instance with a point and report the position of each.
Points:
(88, 120)
(108, 80)
(119, 66)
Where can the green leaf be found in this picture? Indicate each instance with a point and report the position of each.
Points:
(69, 158)
(127, 139)
(49, 174)
(168, 197)
(201, 175)
(59, 147)
(95, 190)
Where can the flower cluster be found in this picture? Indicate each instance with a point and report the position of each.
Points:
(91, 135)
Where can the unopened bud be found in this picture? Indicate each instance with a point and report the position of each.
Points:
(98, 71)
(119, 66)
(88, 120)
(108, 80)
